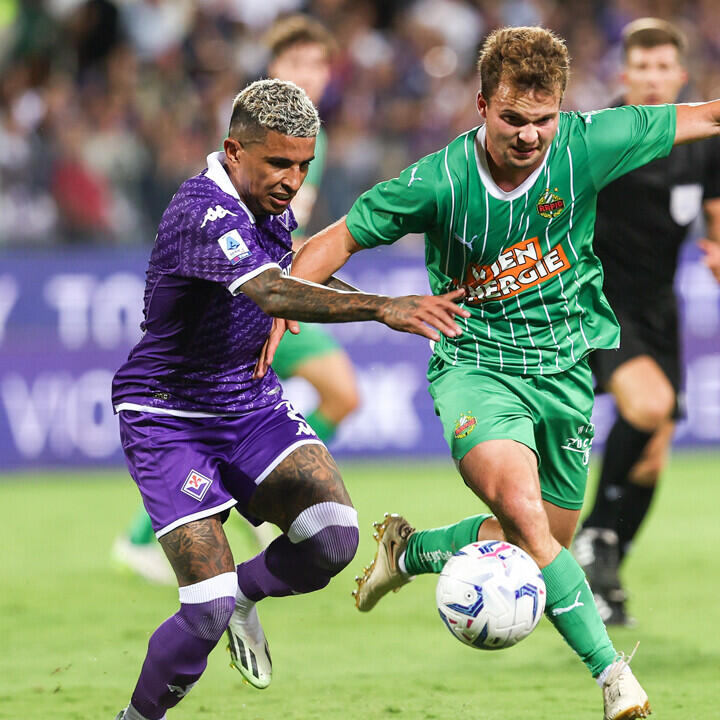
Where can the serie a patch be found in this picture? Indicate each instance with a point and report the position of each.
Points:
(234, 247)
(196, 485)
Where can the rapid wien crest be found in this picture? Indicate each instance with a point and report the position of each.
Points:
(517, 268)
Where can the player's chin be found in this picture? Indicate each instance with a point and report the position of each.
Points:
(523, 159)
(277, 205)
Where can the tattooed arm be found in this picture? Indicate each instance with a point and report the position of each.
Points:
(288, 297)
(337, 284)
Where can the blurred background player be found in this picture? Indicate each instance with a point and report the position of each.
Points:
(300, 51)
(642, 220)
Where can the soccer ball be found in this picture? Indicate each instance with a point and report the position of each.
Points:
(490, 595)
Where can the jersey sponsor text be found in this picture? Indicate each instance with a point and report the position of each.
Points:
(517, 268)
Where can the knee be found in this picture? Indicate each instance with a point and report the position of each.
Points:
(524, 523)
(206, 607)
(343, 400)
(335, 548)
(329, 532)
(649, 412)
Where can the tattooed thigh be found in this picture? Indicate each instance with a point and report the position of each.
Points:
(306, 477)
(198, 551)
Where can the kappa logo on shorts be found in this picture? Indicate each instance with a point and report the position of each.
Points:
(465, 425)
(234, 247)
(196, 485)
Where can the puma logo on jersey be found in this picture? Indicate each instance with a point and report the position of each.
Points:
(463, 241)
(412, 176)
(216, 213)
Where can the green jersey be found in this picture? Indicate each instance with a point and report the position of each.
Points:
(525, 258)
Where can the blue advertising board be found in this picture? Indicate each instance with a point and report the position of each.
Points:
(69, 317)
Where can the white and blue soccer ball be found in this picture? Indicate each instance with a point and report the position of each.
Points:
(490, 595)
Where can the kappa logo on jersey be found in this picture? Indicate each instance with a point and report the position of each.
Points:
(196, 485)
(517, 268)
(550, 204)
(216, 213)
(234, 247)
(465, 425)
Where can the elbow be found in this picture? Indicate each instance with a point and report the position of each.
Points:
(271, 303)
(268, 295)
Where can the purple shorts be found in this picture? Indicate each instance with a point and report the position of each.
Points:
(191, 468)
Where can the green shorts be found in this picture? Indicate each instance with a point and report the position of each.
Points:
(294, 350)
(548, 413)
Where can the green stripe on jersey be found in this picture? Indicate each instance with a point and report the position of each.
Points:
(525, 256)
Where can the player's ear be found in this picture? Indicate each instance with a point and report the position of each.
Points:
(482, 105)
(233, 148)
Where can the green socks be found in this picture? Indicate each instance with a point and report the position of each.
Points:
(140, 531)
(429, 550)
(570, 607)
(323, 427)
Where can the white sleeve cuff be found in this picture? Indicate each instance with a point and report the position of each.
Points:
(235, 285)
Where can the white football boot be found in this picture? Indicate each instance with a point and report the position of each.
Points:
(248, 648)
(623, 695)
(383, 574)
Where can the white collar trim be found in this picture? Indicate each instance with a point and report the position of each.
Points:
(487, 179)
(217, 173)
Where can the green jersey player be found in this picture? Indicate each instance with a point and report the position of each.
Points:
(508, 211)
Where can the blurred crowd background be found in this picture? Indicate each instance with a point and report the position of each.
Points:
(107, 106)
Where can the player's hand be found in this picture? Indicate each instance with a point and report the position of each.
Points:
(267, 354)
(711, 251)
(425, 314)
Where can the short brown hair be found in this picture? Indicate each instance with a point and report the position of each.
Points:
(297, 29)
(526, 57)
(651, 32)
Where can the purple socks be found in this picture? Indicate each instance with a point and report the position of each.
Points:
(179, 648)
(319, 544)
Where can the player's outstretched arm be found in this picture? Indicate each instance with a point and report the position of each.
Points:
(697, 121)
(324, 253)
(289, 297)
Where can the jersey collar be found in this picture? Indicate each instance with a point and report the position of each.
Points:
(217, 173)
(487, 179)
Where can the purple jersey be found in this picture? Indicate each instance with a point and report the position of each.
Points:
(202, 336)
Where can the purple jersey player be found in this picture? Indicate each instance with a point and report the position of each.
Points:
(203, 431)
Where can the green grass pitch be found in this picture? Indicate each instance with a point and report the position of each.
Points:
(73, 629)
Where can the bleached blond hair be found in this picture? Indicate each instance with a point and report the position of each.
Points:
(276, 105)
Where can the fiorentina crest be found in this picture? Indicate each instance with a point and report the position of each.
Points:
(196, 485)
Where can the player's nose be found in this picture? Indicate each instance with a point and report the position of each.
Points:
(293, 179)
(528, 135)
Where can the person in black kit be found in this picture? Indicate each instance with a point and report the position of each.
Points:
(642, 219)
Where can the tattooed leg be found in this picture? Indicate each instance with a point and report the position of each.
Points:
(305, 496)
(306, 477)
(198, 550)
(178, 649)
